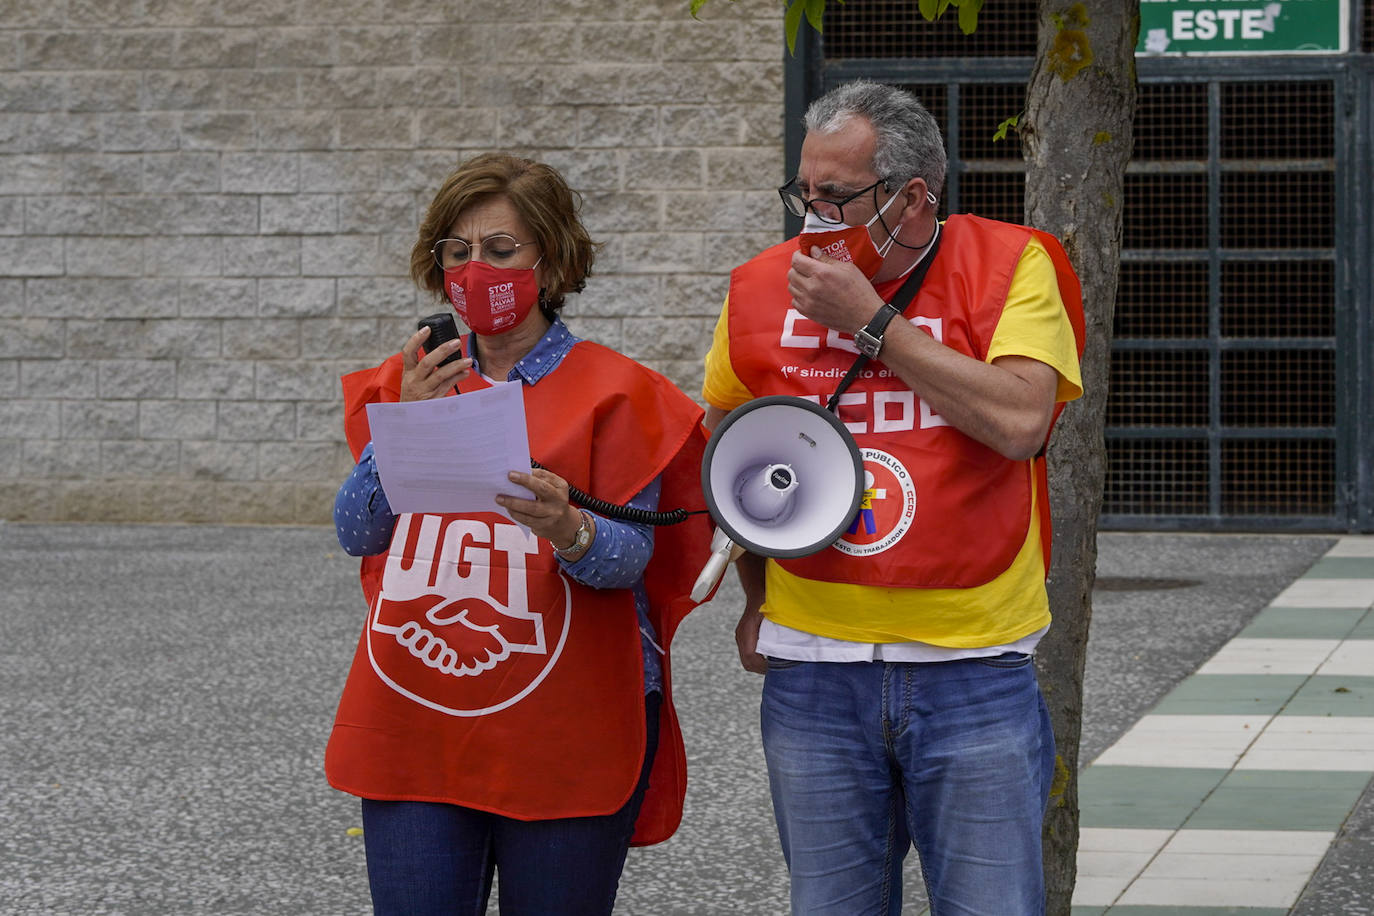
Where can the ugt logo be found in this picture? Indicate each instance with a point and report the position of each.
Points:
(455, 626)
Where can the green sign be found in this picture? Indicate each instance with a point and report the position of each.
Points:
(1243, 27)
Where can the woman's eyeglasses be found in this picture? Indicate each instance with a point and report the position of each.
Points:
(496, 250)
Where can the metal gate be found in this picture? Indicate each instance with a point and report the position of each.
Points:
(1241, 376)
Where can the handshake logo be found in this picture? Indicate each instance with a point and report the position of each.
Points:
(454, 626)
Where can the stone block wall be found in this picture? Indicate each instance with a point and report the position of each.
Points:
(206, 212)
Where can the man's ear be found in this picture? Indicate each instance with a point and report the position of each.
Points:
(915, 190)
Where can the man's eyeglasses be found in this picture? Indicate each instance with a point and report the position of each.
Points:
(496, 250)
(827, 211)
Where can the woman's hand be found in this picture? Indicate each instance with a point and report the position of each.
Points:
(422, 379)
(548, 514)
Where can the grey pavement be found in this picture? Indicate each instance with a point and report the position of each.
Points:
(166, 692)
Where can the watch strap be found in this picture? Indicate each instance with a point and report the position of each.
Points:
(582, 538)
(869, 338)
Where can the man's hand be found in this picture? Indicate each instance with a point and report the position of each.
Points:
(747, 640)
(750, 567)
(1006, 404)
(833, 293)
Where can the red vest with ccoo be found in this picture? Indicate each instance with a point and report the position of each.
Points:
(940, 510)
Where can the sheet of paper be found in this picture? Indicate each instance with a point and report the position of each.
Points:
(451, 454)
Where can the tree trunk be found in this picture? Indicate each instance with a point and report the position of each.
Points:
(1076, 136)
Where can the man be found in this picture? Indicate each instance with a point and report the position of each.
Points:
(900, 703)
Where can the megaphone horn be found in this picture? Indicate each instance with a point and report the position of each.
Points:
(782, 477)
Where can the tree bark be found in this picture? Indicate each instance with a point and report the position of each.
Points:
(1076, 135)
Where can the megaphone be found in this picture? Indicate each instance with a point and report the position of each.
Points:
(782, 478)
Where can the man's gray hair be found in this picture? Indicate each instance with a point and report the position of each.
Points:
(909, 142)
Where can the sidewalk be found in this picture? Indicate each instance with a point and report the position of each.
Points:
(167, 691)
(1229, 794)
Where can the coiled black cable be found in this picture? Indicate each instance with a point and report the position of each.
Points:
(625, 513)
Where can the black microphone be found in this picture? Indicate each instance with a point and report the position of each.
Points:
(442, 329)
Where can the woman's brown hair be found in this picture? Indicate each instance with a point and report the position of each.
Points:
(542, 199)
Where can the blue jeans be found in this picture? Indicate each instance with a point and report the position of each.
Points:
(866, 759)
(428, 858)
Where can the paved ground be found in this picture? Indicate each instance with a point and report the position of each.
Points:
(1234, 793)
(166, 693)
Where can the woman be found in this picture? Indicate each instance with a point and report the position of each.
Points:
(509, 698)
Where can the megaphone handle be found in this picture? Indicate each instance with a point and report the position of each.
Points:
(712, 571)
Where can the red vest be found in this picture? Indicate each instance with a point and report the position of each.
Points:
(484, 676)
(941, 510)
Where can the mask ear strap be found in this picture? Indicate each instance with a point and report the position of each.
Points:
(891, 233)
(891, 240)
(878, 214)
(892, 236)
(543, 305)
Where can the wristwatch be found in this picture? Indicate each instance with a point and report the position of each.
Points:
(869, 338)
(582, 538)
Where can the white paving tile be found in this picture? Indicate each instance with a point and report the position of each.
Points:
(1335, 725)
(1316, 592)
(1255, 868)
(1090, 891)
(1269, 656)
(1337, 733)
(1218, 892)
(1144, 756)
(1112, 864)
(1352, 658)
(1257, 842)
(1127, 859)
(1123, 839)
(1327, 743)
(1353, 547)
(1109, 858)
(1250, 867)
(1207, 742)
(1324, 761)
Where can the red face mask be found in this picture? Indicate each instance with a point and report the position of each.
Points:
(847, 243)
(491, 300)
(844, 243)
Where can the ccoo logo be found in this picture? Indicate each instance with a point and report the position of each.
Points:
(886, 510)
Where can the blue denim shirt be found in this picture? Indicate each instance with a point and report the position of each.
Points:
(616, 558)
